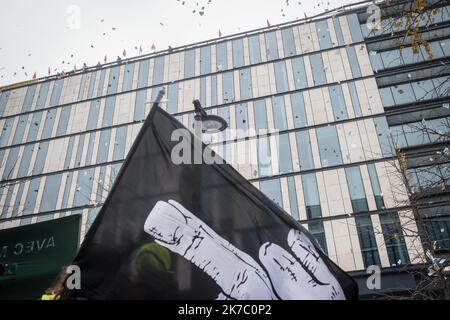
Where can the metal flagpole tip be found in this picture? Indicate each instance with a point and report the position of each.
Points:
(159, 97)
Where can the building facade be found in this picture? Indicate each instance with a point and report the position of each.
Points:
(340, 95)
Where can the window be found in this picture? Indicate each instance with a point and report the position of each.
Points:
(202, 97)
(279, 113)
(94, 110)
(378, 194)
(172, 98)
(64, 120)
(189, 63)
(42, 97)
(355, 99)
(143, 74)
(34, 126)
(391, 59)
(338, 103)
(288, 42)
(284, 154)
(271, 46)
(30, 200)
(20, 129)
(272, 189)
(205, 60)
(439, 231)
(304, 150)
(293, 198)
(264, 157)
(50, 193)
(93, 75)
(158, 70)
(356, 189)
(50, 116)
(367, 241)
(255, 49)
(354, 65)
(108, 114)
(224, 113)
(238, 53)
(245, 80)
(83, 187)
(298, 110)
(101, 82)
(113, 81)
(119, 144)
(329, 149)
(260, 115)
(26, 106)
(4, 96)
(65, 201)
(10, 164)
(318, 69)
(355, 27)
(241, 120)
(393, 237)
(323, 34)
(398, 136)
(91, 139)
(40, 158)
(311, 195)
(221, 58)
(298, 68)
(213, 90)
(281, 76)
(386, 97)
(415, 136)
(7, 128)
(317, 230)
(382, 129)
(424, 90)
(376, 61)
(228, 86)
(69, 152)
(103, 146)
(26, 159)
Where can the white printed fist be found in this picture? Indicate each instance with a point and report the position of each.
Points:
(301, 275)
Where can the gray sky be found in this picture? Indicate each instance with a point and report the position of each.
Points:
(36, 35)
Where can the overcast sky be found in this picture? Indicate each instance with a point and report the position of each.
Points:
(36, 35)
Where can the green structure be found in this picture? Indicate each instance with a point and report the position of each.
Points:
(31, 256)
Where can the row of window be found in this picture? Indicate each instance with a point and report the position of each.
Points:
(86, 149)
(265, 155)
(397, 24)
(293, 201)
(401, 94)
(399, 57)
(278, 77)
(88, 186)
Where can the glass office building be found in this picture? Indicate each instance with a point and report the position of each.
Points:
(334, 90)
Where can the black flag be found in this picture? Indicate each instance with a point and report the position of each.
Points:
(197, 231)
